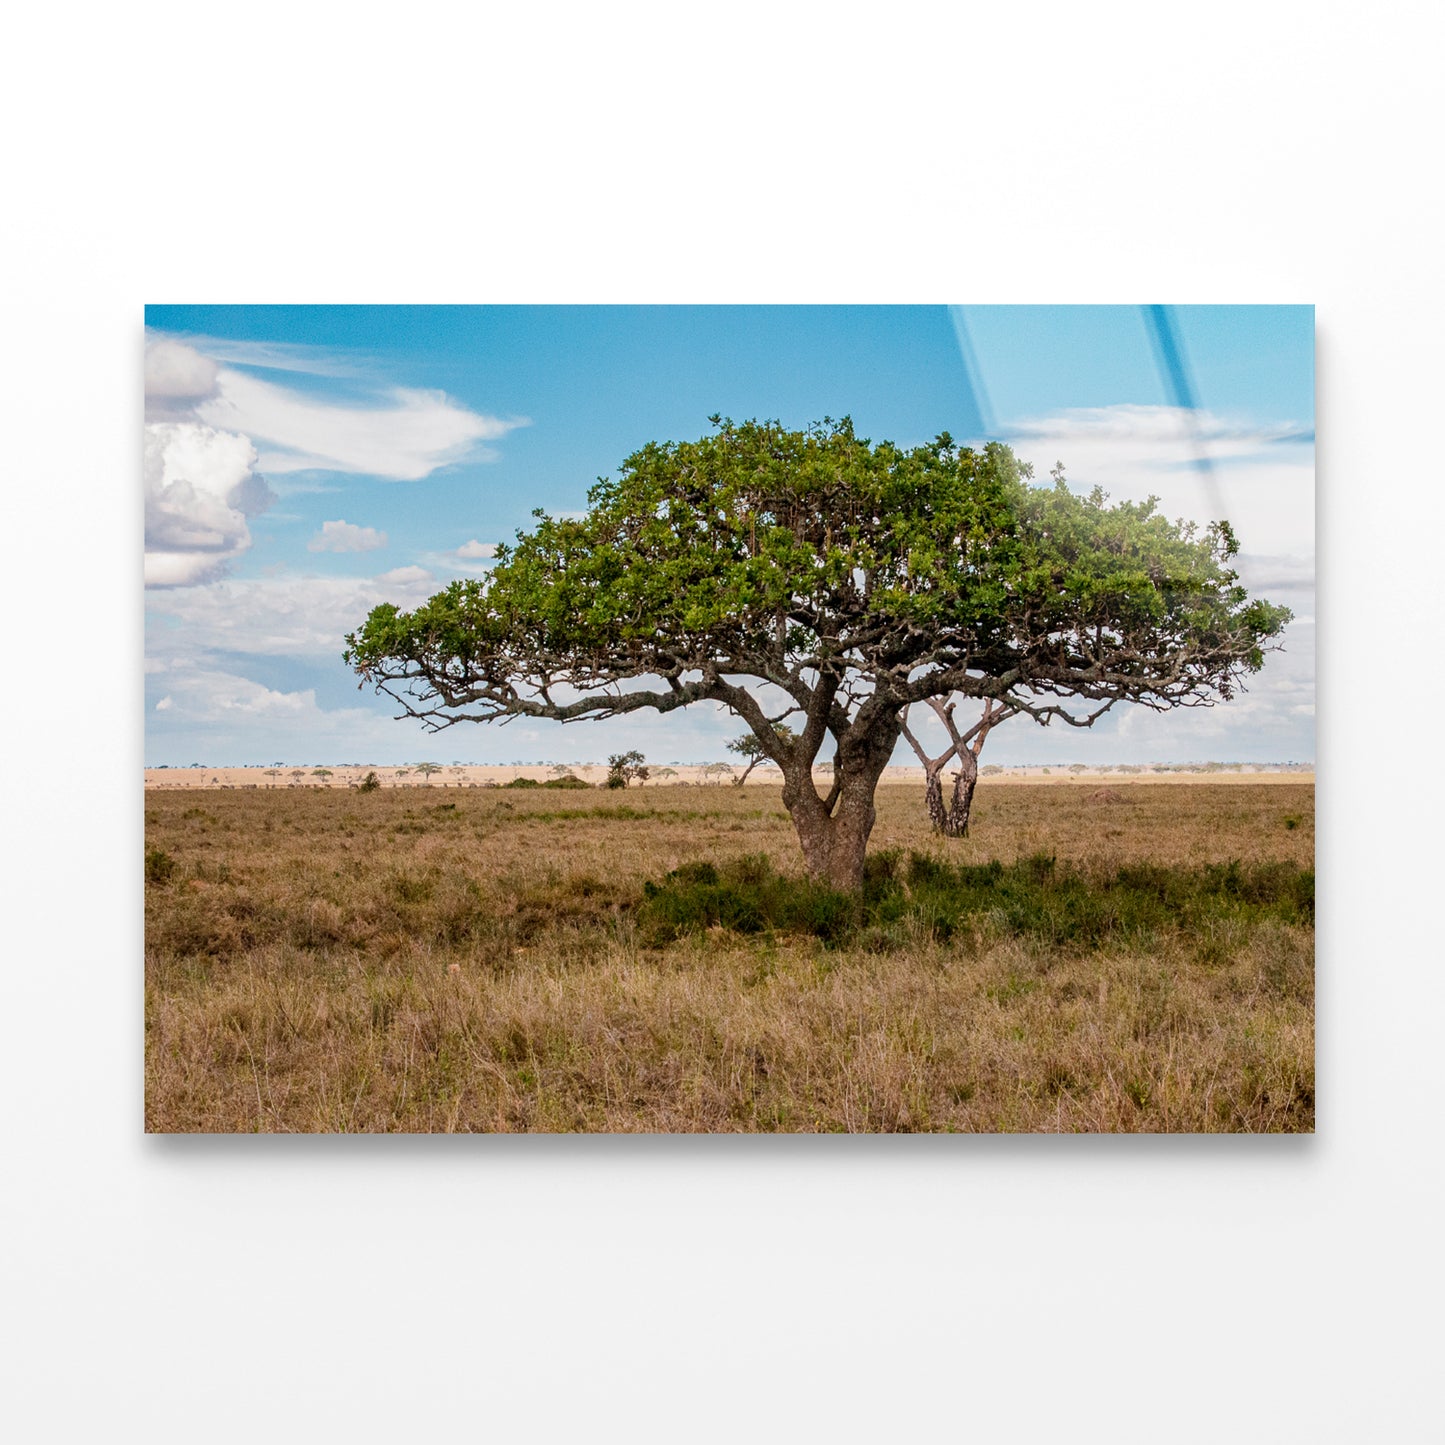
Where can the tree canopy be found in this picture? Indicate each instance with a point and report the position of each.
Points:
(819, 576)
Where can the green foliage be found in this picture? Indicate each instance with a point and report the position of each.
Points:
(522, 783)
(623, 768)
(567, 782)
(1035, 898)
(159, 865)
(369, 784)
(723, 548)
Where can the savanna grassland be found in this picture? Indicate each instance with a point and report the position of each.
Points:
(1136, 957)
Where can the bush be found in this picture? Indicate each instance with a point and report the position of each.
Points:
(369, 784)
(159, 865)
(522, 783)
(566, 781)
(1035, 898)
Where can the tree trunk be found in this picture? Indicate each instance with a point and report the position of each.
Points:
(835, 844)
(834, 847)
(933, 792)
(964, 782)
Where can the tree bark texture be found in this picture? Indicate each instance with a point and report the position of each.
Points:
(834, 839)
(964, 782)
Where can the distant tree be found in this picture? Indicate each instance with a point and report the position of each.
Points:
(369, 784)
(1076, 767)
(750, 746)
(323, 773)
(296, 775)
(719, 771)
(622, 768)
(427, 769)
(402, 772)
(664, 772)
(273, 773)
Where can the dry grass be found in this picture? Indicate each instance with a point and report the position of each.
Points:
(472, 960)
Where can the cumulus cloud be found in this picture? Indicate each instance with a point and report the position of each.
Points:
(474, 550)
(342, 536)
(404, 577)
(200, 487)
(404, 437)
(176, 374)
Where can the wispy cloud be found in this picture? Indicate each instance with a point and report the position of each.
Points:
(404, 436)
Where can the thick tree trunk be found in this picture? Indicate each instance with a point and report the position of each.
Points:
(835, 844)
(964, 782)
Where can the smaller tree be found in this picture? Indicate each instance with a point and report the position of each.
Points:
(323, 773)
(719, 771)
(622, 768)
(966, 747)
(402, 772)
(273, 774)
(750, 746)
(369, 784)
(296, 775)
(664, 772)
(427, 769)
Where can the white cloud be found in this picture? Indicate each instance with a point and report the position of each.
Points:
(1263, 481)
(405, 438)
(277, 616)
(405, 576)
(474, 549)
(210, 710)
(177, 372)
(200, 487)
(207, 695)
(342, 536)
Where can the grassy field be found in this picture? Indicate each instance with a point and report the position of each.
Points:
(1120, 958)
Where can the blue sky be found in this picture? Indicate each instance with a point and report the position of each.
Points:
(304, 463)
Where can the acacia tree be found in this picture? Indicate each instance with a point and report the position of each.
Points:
(750, 747)
(966, 747)
(839, 582)
(622, 768)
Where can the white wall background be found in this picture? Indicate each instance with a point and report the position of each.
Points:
(1007, 1289)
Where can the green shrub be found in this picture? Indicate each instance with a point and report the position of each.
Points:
(1034, 898)
(369, 784)
(159, 865)
(522, 783)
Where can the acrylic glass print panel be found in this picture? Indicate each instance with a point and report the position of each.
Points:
(720, 719)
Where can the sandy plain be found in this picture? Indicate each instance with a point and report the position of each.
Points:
(479, 776)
